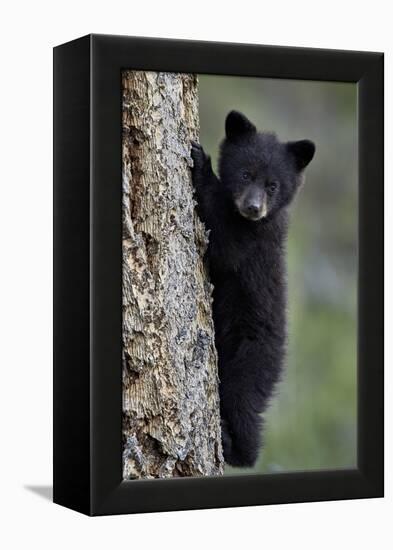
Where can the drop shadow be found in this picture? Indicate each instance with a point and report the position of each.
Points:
(44, 491)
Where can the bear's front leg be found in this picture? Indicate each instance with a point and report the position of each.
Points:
(202, 170)
(205, 184)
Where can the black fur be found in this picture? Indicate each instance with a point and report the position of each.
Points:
(246, 213)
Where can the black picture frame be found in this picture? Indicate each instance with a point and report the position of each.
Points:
(88, 272)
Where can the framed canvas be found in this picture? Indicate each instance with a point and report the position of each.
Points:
(177, 328)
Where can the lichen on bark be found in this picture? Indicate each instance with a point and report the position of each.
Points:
(171, 424)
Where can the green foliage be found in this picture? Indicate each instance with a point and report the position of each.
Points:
(311, 423)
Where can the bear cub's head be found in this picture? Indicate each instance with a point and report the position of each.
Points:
(259, 173)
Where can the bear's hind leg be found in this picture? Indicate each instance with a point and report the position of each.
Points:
(241, 437)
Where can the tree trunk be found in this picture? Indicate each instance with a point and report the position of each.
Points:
(171, 424)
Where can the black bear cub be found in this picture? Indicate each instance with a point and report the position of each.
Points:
(246, 211)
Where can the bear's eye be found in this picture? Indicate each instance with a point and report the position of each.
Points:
(246, 175)
(271, 186)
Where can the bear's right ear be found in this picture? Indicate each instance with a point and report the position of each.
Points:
(303, 152)
(237, 125)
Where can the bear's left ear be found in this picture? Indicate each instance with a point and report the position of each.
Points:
(303, 151)
(237, 125)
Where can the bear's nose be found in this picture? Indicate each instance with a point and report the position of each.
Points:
(253, 209)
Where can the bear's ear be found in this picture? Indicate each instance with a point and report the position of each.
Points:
(303, 151)
(237, 125)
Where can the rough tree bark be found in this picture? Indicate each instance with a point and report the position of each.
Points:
(171, 424)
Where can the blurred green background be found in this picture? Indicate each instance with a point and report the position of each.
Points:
(311, 422)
